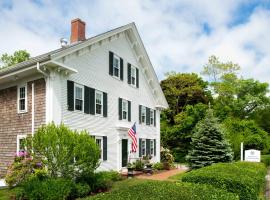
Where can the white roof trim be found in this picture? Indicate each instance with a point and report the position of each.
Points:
(161, 100)
(65, 67)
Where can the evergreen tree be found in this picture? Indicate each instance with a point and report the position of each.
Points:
(208, 144)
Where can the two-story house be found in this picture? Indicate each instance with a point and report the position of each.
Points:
(103, 84)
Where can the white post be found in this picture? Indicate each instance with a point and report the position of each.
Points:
(242, 149)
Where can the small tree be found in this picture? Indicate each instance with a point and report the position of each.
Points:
(65, 153)
(208, 144)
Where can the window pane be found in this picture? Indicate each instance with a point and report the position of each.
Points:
(98, 98)
(116, 62)
(22, 104)
(22, 144)
(98, 109)
(133, 81)
(116, 72)
(78, 104)
(22, 92)
(124, 115)
(133, 72)
(99, 144)
(78, 93)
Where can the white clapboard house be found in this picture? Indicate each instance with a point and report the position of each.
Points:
(103, 84)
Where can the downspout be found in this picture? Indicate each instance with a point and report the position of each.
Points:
(33, 106)
(33, 109)
(42, 72)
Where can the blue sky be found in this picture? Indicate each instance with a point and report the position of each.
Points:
(178, 35)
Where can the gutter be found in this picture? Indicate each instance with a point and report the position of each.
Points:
(42, 72)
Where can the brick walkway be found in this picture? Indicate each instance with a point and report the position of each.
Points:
(162, 175)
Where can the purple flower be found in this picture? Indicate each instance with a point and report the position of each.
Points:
(39, 164)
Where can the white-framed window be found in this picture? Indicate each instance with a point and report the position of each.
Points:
(152, 147)
(124, 109)
(151, 117)
(99, 102)
(116, 66)
(78, 97)
(143, 147)
(133, 75)
(22, 98)
(143, 115)
(99, 142)
(21, 143)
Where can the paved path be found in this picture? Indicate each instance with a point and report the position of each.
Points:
(267, 190)
(162, 175)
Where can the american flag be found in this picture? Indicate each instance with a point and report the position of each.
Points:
(132, 134)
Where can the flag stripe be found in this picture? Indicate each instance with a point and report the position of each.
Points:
(132, 134)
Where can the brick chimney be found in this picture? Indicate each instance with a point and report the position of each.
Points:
(77, 30)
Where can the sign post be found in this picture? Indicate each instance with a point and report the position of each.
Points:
(242, 150)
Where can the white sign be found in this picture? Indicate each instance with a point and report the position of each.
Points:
(253, 155)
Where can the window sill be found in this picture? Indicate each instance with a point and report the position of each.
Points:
(22, 112)
(133, 86)
(117, 78)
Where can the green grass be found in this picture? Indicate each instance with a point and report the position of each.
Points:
(177, 177)
(6, 194)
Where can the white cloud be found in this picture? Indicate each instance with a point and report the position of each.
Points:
(171, 30)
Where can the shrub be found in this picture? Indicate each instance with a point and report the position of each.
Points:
(21, 169)
(166, 158)
(138, 165)
(81, 190)
(266, 160)
(59, 145)
(158, 166)
(100, 181)
(157, 190)
(242, 178)
(48, 189)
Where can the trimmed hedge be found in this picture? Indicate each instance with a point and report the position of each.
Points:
(243, 178)
(161, 190)
(265, 159)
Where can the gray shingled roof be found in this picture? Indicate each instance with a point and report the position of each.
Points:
(47, 56)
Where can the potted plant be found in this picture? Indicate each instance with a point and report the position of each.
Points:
(130, 168)
(147, 164)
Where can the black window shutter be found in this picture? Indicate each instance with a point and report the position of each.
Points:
(147, 146)
(147, 116)
(110, 63)
(140, 147)
(129, 111)
(70, 95)
(155, 147)
(120, 108)
(140, 114)
(92, 101)
(86, 100)
(137, 77)
(105, 148)
(105, 104)
(154, 117)
(129, 73)
(121, 69)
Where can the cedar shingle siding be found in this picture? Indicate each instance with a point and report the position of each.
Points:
(13, 124)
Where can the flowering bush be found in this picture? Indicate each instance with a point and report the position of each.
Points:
(166, 158)
(21, 169)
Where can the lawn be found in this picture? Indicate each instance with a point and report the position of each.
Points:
(6, 194)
